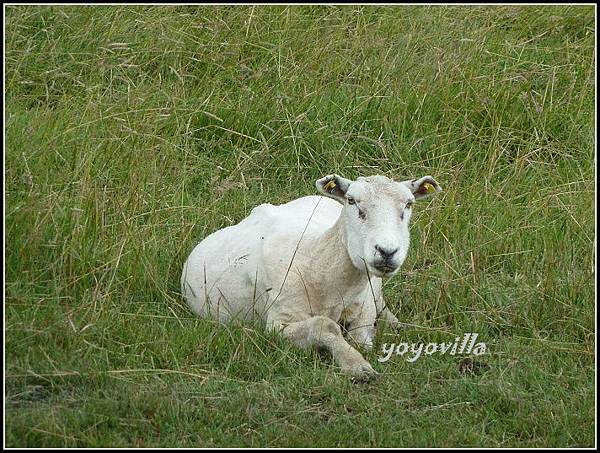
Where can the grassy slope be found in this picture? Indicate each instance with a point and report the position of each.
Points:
(132, 132)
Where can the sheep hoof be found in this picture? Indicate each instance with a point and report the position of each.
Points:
(363, 373)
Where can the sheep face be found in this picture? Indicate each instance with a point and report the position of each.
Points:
(375, 218)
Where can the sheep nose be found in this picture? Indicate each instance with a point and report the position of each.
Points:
(386, 254)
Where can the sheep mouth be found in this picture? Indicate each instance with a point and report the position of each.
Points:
(385, 269)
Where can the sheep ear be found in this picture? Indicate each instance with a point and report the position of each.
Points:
(333, 186)
(423, 187)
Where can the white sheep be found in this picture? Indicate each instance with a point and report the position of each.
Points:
(308, 265)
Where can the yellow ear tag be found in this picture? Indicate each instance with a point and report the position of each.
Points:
(329, 185)
(428, 187)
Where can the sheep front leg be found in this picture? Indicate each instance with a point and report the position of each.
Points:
(390, 318)
(385, 314)
(321, 331)
(360, 324)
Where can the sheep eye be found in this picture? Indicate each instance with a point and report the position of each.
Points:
(351, 200)
(409, 205)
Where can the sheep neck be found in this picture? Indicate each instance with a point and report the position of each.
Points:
(331, 254)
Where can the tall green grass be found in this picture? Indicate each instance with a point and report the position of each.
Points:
(133, 132)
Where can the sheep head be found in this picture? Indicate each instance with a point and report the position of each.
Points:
(375, 216)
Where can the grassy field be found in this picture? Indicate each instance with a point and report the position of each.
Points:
(133, 132)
